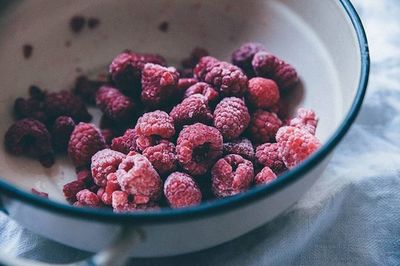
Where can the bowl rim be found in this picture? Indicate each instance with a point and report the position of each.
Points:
(225, 204)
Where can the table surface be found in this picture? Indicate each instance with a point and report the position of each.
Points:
(351, 216)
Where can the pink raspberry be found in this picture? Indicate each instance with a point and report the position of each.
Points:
(263, 93)
(162, 157)
(198, 146)
(181, 190)
(295, 145)
(265, 176)
(305, 119)
(158, 84)
(61, 132)
(205, 89)
(86, 88)
(114, 104)
(71, 189)
(30, 137)
(85, 141)
(87, 198)
(243, 56)
(105, 162)
(137, 177)
(231, 117)
(263, 126)
(231, 175)
(204, 66)
(185, 83)
(242, 147)
(111, 186)
(126, 142)
(267, 155)
(195, 56)
(121, 204)
(192, 110)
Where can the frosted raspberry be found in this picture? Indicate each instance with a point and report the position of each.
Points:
(87, 198)
(204, 66)
(30, 108)
(267, 155)
(85, 141)
(265, 176)
(192, 110)
(295, 145)
(103, 163)
(231, 175)
(108, 135)
(181, 190)
(305, 119)
(126, 142)
(137, 177)
(61, 132)
(158, 84)
(185, 83)
(86, 88)
(71, 189)
(262, 93)
(198, 146)
(30, 137)
(243, 56)
(231, 117)
(263, 126)
(242, 147)
(121, 204)
(195, 56)
(162, 157)
(111, 186)
(205, 89)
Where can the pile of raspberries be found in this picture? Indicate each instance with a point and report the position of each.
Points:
(169, 137)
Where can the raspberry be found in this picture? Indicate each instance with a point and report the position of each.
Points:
(105, 162)
(286, 76)
(204, 66)
(126, 70)
(108, 135)
(267, 155)
(61, 132)
(125, 143)
(137, 177)
(120, 203)
(86, 89)
(36, 93)
(158, 84)
(39, 193)
(231, 175)
(30, 108)
(242, 147)
(204, 89)
(295, 145)
(114, 104)
(231, 117)
(195, 56)
(192, 110)
(262, 93)
(265, 176)
(185, 83)
(305, 119)
(263, 126)
(87, 198)
(111, 186)
(71, 189)
(85, 141)
(198, 146)
(243, 56)
(162, 157)
(181, 190)
(30, 137)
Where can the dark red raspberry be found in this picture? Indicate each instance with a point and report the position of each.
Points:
(262, 93)
(204, 66)
(204, 89)
(108, 135)
(85, 141)
(71, 189)
(114, 104)
(231, 117)
(242, 147)
(85, 175)
(267, 155)
(286, 76)
(112, 185)
(231, 175)
(61, 132)
(192, 110)
(198, 146)
(305, 119)
(181, 191)
(30, 137)
(39, 193)
(263, 126)
(295, 145)
(243, 56)
(125, 143)
(265, 176)
(162, 157)
(87, 198)
(103, 163)
(137, 177)
(185, 83)
(86, 88)
(30, 108)
(194, 58)
(158, 85)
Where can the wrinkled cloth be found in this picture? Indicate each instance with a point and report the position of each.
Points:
(351, 216)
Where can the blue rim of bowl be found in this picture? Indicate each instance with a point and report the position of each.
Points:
(225, 204)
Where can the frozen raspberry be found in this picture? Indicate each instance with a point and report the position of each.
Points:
(198, 146)
(231, 117)
(305, 119)
(108, 135)
(242, 147)
(267, 155)
(158, 84)
(162, 157)
(61, 132)
(86, 88)
(204, 66)
(295, 145)
(87, 198)
(192, 110)
(262, 93)
(30, 108)
(71, 189)
(263, 126)
(126, 70)
(185, 83)
(231, 175)
(243, 56)
(126, 142)
(114, 104)
(137, 177)
(39, 193)
(204, 89)
(30, 137)
(286, 76)
(105, 162)
(111, 186)
(119, 201)
(85, 141)
(181, 190)
(265, 176)
(195, 56)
